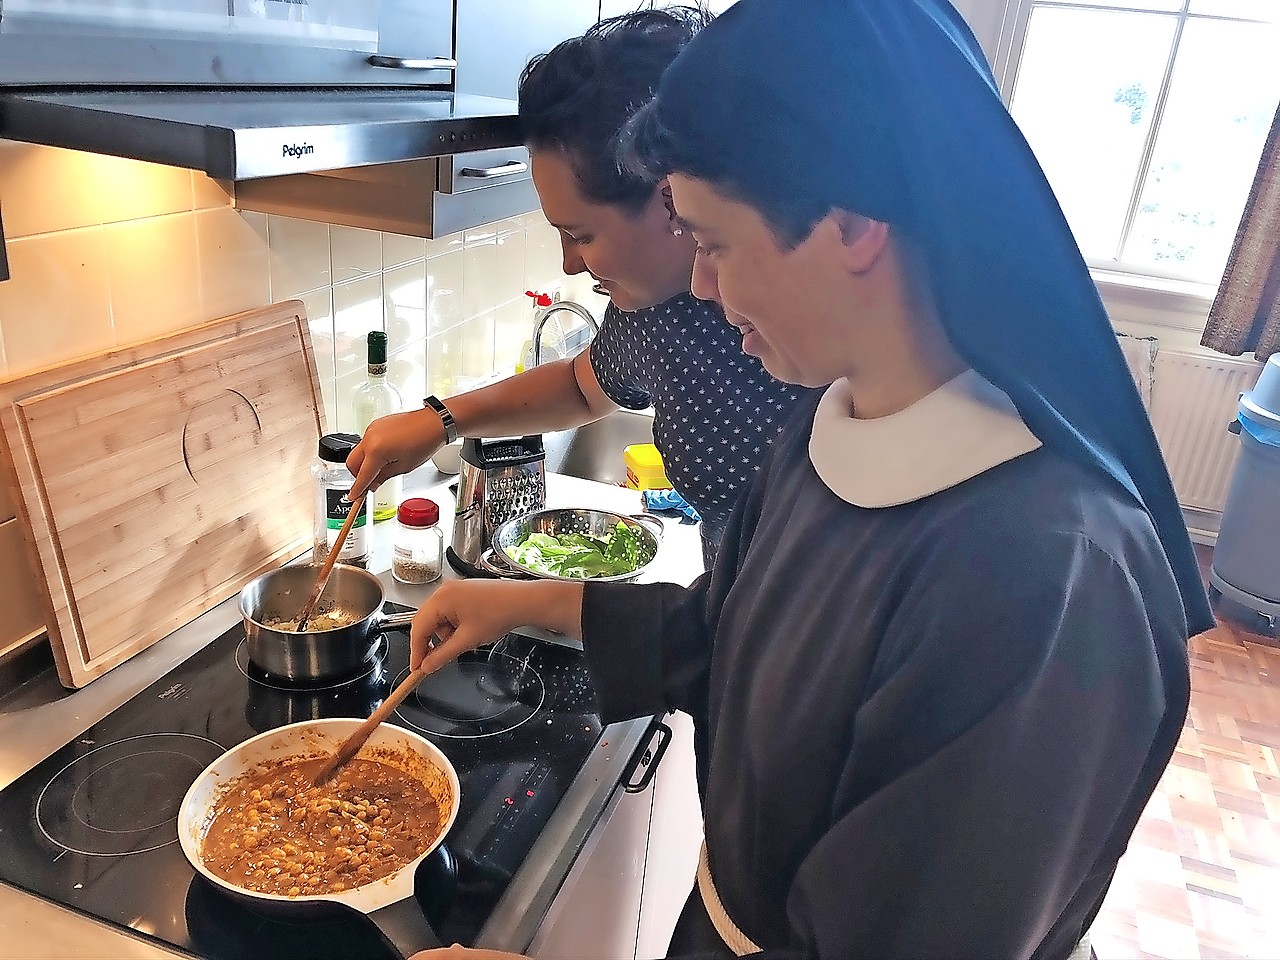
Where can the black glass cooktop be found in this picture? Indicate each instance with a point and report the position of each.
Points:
(93, 827)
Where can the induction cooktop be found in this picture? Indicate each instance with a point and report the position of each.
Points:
(93, 827)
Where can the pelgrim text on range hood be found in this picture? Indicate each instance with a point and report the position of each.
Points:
(240, 134)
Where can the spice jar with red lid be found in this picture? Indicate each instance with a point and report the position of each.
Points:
(419, 544)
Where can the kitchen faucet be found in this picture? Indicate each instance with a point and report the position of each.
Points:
(540, 321)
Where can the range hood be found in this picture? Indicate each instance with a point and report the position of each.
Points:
(242, 134)
(414, 161)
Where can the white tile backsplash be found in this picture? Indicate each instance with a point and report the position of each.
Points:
(233, 261)
(354, 253)
(543, 255)
(357, 309)
(477, 347)
(440, 246)
(47, 189)
(405, 301)
(445, 361)
(398, 250)
(319, 307)
(445, 280)
(154, 274)
(299, 256)
(493, 267)
(344, 418)
(407, 372)
(512, 328)
(57, 302)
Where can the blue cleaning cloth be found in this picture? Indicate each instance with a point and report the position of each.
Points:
(670, 503)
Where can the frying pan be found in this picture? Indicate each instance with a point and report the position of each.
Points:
(389, 902)
(315, 654)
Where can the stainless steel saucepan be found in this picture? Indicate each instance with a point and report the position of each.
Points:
(316, 654)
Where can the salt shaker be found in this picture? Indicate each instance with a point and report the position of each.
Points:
(419, 544)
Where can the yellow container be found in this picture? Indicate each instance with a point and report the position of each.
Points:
(644, 467)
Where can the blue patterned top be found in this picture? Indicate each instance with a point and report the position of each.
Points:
(716, 410)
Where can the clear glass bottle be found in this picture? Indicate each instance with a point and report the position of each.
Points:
(373, 399)
(333, 481)
(419, 544)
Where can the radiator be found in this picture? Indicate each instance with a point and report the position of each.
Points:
(1193, 401)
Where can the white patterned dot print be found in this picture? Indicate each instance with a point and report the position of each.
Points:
(716, 410)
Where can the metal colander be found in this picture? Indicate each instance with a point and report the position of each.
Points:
(558, 521)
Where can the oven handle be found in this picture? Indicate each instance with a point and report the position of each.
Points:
(648, 755)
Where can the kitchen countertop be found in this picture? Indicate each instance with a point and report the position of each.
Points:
(40, 716)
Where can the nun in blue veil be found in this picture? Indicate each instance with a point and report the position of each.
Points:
(940, 663)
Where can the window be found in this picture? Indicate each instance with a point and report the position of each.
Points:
(1148, 118)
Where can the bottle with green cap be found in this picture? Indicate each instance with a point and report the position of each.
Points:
(373, 399)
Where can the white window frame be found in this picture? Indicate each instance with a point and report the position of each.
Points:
(1138, 302)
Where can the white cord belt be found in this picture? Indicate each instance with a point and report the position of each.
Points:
(741, 944)
(733, 938)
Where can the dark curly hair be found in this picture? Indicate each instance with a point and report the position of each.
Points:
(576, 97)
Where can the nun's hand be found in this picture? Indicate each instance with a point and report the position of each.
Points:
(459, 952)
(465, 614)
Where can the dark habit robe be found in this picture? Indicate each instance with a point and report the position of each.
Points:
(935, 675)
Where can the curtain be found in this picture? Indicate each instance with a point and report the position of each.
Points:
(1246, 312)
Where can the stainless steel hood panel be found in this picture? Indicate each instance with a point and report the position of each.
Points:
(245, 134)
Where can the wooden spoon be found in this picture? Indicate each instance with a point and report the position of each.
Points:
(322, 579)
(351, 746)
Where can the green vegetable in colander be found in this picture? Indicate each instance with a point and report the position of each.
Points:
(581, 556)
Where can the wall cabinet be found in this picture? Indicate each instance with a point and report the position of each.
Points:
(126, 42)
(497, 38)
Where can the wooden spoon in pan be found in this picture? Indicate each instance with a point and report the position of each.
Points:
(309, 608)
(351, 746)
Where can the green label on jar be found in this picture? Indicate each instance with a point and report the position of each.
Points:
(337, 510)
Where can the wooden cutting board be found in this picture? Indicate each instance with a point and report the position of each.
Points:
(155, 481)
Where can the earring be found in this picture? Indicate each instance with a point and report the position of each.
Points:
(677, 231)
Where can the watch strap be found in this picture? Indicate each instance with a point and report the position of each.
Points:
(446, 418)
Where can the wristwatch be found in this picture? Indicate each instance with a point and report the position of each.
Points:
(446, 418)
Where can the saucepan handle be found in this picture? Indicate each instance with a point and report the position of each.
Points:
(396, 621)
(648, 520)
(405, 927)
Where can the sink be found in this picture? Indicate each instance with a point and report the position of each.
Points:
(594, 451)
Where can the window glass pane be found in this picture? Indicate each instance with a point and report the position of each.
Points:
(1221, 103)
(1266, 10)
(1087, 84)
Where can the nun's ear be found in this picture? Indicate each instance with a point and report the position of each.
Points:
(862, 240)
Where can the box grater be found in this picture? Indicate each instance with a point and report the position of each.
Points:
(497, 480)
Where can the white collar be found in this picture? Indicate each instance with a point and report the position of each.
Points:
(962, 429)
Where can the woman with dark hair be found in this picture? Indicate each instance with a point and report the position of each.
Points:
(940, 663)
(715, 410)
